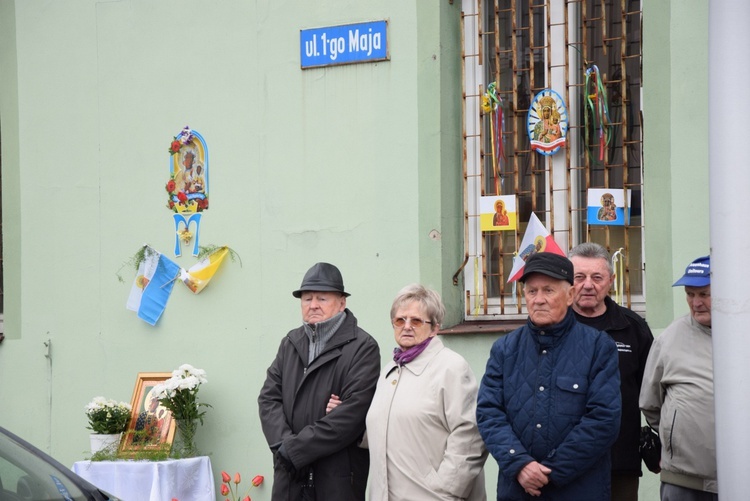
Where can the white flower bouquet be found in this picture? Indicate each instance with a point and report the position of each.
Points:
(107, 417)
(179, 393)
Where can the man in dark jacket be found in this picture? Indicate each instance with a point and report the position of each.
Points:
(549, 404)
(593, 279)
(317, 454)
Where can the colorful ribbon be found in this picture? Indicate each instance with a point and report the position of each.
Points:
(596, 103)
(492, 104)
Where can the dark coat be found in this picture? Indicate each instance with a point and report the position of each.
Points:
(634, 339)
(292, 406)
(552, 395)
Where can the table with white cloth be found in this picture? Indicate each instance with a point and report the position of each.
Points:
(184, 479)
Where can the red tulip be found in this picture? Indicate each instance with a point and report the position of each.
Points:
(225, 477)
(257, 480)
(246, 498)
(237, 479)
(224, 489)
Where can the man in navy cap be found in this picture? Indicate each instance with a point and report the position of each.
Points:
(549, 404)
(677, 395)
(316, 450)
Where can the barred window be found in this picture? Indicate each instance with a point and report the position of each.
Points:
(588, 53)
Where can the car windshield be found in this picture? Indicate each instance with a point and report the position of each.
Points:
(25, 476)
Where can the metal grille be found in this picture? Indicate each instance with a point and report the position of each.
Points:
(523, 47)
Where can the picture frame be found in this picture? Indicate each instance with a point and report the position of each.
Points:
(151, 426)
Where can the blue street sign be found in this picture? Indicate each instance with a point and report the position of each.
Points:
(346, 44)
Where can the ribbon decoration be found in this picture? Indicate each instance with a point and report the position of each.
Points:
(596, 102)
(618, 265)
(492, 104)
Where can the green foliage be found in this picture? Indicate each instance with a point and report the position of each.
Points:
(135, 261)
(183, 403)
(139, 449)
(207, 250)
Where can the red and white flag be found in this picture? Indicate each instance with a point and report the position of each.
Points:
(536, 239)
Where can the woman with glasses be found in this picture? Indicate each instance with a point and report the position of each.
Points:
(421, 426)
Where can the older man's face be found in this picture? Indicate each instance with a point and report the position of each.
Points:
(320, 306)
(547, 299)
(592, 281)
(699, 301)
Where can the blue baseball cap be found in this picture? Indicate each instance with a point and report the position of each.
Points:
(697, 274)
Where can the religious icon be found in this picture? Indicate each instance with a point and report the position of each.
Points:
(547, 122)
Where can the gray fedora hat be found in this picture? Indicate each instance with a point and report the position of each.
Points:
(322, 277)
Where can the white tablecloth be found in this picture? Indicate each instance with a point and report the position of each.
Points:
(185, 479)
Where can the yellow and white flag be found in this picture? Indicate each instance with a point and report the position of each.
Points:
(197, 276)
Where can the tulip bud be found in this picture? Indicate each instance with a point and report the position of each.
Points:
(225, 476)
(257, 480)
(246, 498)
(224, 489)
(237, 479)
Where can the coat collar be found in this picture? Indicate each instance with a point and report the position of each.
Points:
(552, 334)
(344, 334)
(419, 364)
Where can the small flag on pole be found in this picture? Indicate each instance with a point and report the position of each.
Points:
(152, 286)
(535, 239)
(197, 277)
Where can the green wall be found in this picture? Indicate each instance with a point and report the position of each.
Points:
(675, 97)
(358, 165)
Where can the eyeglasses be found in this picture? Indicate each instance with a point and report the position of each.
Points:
(415, 322)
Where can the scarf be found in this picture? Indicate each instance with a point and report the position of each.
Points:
(401, 356)
(319, 334)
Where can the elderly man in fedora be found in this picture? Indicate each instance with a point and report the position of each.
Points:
(328, 358)
(549, 407)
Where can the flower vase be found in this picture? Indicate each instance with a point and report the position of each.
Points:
(103, 442)
(183, 445)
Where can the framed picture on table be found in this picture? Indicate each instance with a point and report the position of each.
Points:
(151, 425)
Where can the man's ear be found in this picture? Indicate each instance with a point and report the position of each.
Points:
(571, 295)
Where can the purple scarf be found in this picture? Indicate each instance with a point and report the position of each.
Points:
(402, 357)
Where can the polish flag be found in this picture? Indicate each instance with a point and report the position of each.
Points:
(536, 239)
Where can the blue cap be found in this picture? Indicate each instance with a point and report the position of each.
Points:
(697, 274)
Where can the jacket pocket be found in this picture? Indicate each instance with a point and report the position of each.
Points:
(571, 397)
